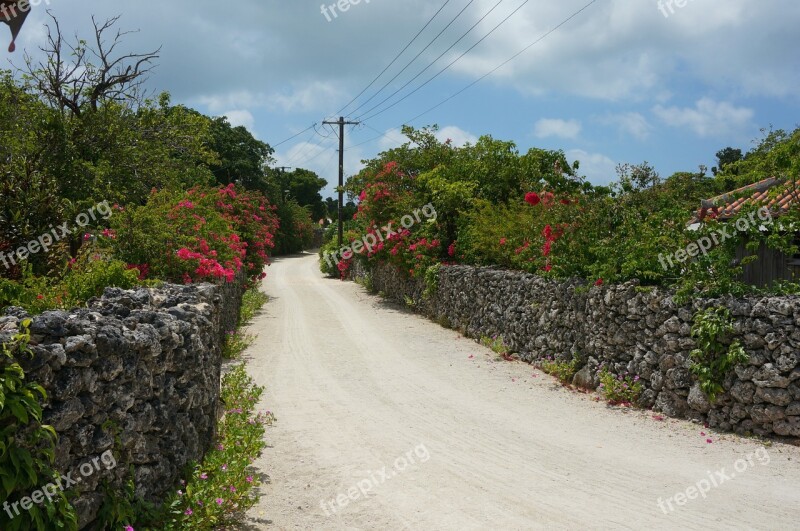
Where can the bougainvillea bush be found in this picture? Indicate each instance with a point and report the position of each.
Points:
(533, 212)
(203, 234)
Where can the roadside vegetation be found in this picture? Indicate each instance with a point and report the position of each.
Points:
(534, 212)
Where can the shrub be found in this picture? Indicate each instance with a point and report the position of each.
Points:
(224, 485)
(563, 370)
(200, 235)
(498, 346)
(621, 389)
(27, 447)
(83, 277)
(252, 301)
(713, 359)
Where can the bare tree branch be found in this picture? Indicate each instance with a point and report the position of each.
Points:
(77, 76)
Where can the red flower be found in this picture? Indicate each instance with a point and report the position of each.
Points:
(532, 198)
(40, 296)
(547, 198)
(451, 251)
(599, 282)
(565, 201)
(503, 241)
(548, 268)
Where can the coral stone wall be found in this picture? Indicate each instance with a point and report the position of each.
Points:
(136, 372)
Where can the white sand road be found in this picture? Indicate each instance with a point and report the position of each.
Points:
(359, 384)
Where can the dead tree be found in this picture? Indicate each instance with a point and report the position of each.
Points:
(82, 75)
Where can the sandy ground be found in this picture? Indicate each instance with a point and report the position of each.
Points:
(359, 384)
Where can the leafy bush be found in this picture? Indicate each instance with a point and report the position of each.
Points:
(199, 235)
(712, 361)
(27, 447)
(224, 485)
(252, 301)
(498, 346)
(84, 277)
(563, 370)
(619, 389)
(236, 342)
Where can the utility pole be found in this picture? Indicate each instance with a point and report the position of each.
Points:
(282, 170)
(341, 123)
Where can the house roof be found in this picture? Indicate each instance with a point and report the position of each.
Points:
(763, 193)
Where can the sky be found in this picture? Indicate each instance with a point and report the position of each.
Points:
(608, 82)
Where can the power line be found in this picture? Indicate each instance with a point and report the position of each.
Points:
(393, 94)
(489, 73)
(293, 136)
(504, 63)
(407, 46)
(308, 146)
(414, 59)
(440, 72)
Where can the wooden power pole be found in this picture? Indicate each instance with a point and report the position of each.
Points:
(341, 123)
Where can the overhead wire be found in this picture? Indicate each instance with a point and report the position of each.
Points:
(440, 72)
(490, 72)
(396, 57)
(414, 59)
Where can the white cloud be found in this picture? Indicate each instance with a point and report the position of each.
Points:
(547, 127)
(707, 118)
(457, 136)
(241, 117)
(315, 96)
(598, 168)
(629, 123)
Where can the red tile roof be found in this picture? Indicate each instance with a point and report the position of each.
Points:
(778, 195)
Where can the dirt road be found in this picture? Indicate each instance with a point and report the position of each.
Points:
(389, 421)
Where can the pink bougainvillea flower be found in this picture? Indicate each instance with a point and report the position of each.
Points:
(532, 198)
(547, 198)
(188, 512)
